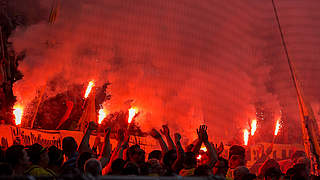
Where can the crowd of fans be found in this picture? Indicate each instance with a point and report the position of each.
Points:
(83, 162)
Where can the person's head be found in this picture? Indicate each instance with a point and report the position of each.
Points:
(38, 155)
(296, 155)
(69, 146)
(17, 156)
(236, 161)
(236, 156)
(203, 170)
(141, 156)
(237, 150)
(169, 158)
(155, 167)
(306, 162)
(300, 172)
(55, 156)
(133, 153)
(131, 169)
(240, 173)
(189, 160)
(221, 167)
(83, 159)
(117, 166)
(270, 163)
(156, 154)
(93, 167)
(5, 169)
(273, 173)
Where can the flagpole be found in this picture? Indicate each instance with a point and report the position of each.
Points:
(310, 143)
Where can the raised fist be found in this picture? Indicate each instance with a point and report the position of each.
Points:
(155, 134)
(165, 130)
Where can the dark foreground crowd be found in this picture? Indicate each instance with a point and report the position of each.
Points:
(84, 162)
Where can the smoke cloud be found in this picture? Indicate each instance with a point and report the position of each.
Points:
(183, 62)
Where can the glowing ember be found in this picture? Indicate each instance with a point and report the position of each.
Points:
(277, 128)
(199, 157)
(102, 115)
(132, 112)
(89, 88)
(245, 136)
(18, 112)
(253, 127)
(204, 149)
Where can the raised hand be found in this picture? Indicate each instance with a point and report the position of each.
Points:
(165, 130)
(121, 135)
(177, 137)
(202, 133)
(155, 134)
(220, 148)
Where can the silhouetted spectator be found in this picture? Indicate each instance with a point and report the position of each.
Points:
(18, 159)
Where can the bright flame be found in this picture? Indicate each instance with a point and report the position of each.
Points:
(102, 115)
(18, 112)
(199, 157)
(278, 125)
(132, 112)
(253, 127)
(204, 149)
(89, 88)
(245, 136)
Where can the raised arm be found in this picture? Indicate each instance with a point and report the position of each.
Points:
(115, 153)
(213, 157)
(106, 150)
(166, 132)
(84, 145)
(180, 152)
(155, 134)
(197, 145)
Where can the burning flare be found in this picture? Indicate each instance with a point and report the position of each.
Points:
(18, 112)
(199, 157)
(102, 115)
(253, 127)
(132, 112)
(278, 125)
(245, 136)
(89, 88)
(204, 149)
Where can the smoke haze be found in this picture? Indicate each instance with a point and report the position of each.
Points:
(183, 62)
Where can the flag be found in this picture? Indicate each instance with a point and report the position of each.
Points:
(89, 112)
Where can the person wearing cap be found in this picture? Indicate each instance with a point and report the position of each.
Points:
(40, 160)
(236, 159)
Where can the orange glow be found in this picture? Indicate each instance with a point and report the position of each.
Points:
(253, 127)
(132, 112)
(245, 136)
(89, 88)
(18, 112)
(204, 149)
(278, 125)
(102, 115)
(199, 157)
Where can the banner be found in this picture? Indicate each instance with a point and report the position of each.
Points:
(15, 135)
